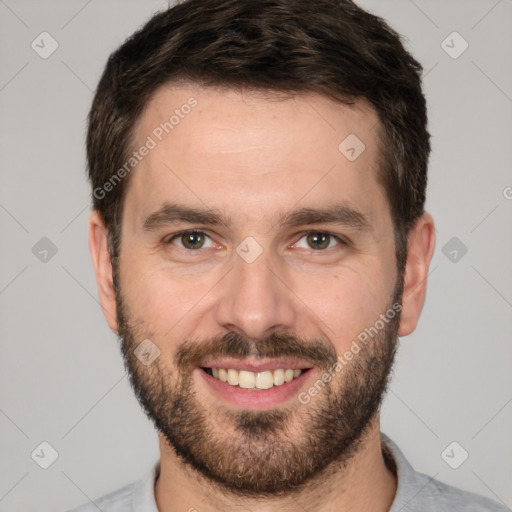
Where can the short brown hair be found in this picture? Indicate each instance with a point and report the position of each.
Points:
(331, 47)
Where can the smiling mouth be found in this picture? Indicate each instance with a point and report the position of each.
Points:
(255, 380)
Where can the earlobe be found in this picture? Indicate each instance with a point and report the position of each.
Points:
(421, 244)
(98, 246)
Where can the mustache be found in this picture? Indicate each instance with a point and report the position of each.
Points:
(192, 353)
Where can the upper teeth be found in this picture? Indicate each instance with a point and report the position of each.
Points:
(255, 380)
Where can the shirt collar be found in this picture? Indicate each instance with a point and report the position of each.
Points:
(144, 495)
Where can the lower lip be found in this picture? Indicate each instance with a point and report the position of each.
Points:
(242, 398)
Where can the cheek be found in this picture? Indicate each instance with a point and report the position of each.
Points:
(157, 299)
(338, 303)
(346, 303)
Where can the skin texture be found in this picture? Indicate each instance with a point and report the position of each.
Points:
(256, 157)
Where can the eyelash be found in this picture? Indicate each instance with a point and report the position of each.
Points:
(169, 240)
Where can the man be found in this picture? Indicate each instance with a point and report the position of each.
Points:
(259, 241)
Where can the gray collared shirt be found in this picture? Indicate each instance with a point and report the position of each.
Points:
(416, 492)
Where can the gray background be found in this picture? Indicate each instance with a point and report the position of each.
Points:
(61, 378)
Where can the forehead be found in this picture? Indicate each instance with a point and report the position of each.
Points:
(252, 113)
(254, 152)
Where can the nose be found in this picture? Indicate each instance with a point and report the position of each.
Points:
(255, 300)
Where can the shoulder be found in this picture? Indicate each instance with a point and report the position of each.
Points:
(441, 497)
(138, 496)
(117, 501)
(419, 492)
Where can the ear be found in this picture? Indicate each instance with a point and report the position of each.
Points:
(98, 246)
(420, 244)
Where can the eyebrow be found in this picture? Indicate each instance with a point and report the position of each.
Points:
(339, 214)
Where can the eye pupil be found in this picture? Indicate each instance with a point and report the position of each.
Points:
(192, 240)
(318, 240)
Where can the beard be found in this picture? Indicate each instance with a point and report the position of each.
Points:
(260, 453)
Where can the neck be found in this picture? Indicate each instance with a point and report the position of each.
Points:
(364, 484)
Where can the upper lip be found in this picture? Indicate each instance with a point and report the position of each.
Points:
(257, 365)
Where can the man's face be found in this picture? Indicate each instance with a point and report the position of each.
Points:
(257, 293)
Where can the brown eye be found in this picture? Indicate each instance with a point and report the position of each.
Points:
(318, 240)
(193, 240)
